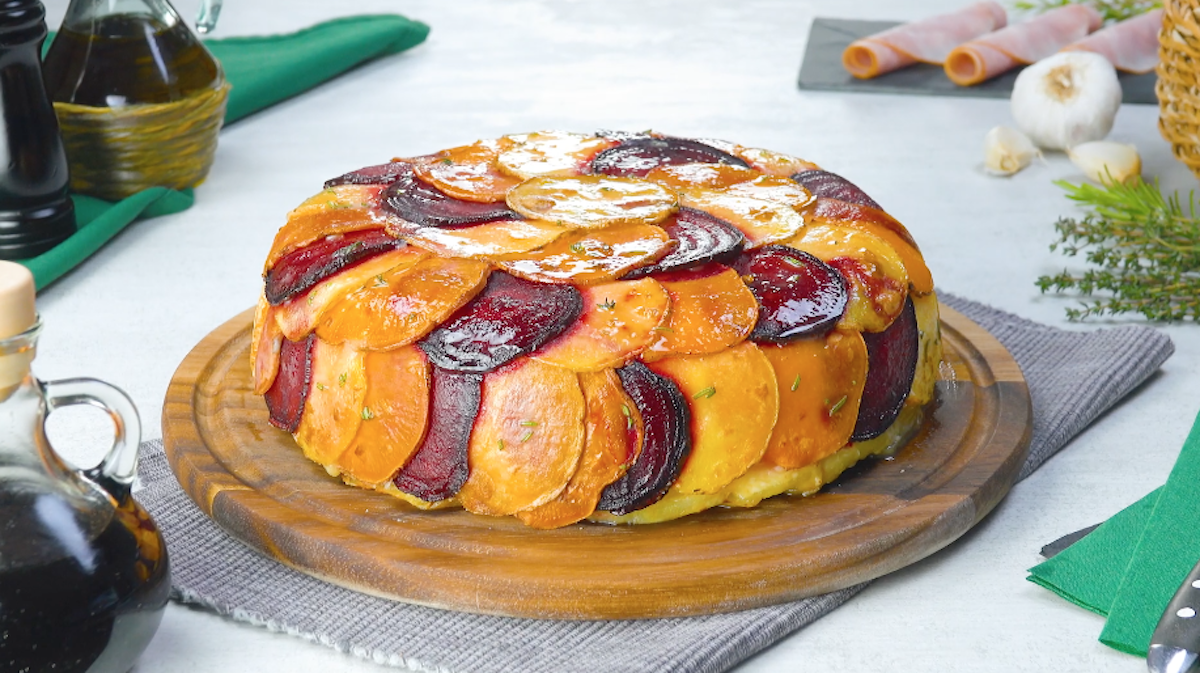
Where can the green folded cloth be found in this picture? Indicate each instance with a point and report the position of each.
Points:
(263, 71)
(1129, 568)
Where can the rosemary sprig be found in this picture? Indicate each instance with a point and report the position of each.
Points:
(1146, 247)
(1111, 10)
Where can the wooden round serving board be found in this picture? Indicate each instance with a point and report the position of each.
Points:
(882, 515)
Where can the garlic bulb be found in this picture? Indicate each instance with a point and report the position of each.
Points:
(1069, 98)
(1105, 161)
(1007, 150)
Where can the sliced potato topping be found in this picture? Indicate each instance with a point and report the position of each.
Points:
(337, 210)
(527, 438)
(550, 153)
(774, 163)
(774, 189)
(734, 403)
(488, 240)
(266, 340)
(708, 313)
(334, 407)
(617, 323)
(591, 256)
(468, 173)
(762, 221)
(592, 201)
(395, 414)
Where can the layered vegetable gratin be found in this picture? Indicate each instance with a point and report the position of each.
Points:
(615, 327)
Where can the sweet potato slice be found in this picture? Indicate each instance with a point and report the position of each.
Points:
(527, 438)
(403, 306)
(590, 257)
(820, 383)
(552, 153)
(832, 211)
(265, 342)
(762, 220)
(592, 201)
(468, 172)
(299, 316)
(876, 277)
(712, 176)
(335, 210)
(773, 189)
(711, 309)
(618, 322)
(484, 241)
(334, 408)
(612, 434)
(395, 413)
(734, 402)
(774, 163)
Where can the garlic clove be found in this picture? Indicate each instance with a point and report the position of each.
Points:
(1066, 99)
(1007, 150)
(1105, 161)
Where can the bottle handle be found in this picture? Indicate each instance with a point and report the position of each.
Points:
(206, 19)
(116, 472)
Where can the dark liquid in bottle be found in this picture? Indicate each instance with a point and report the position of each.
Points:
(127, 59)
(95, 609)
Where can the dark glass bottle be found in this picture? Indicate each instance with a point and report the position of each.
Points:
(35, 212)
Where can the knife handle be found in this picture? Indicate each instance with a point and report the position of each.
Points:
(1180, 623)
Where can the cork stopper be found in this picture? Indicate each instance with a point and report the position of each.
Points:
(17, 312)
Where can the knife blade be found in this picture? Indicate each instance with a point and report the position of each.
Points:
(1175, 645)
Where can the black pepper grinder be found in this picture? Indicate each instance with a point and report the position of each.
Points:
(35, 211)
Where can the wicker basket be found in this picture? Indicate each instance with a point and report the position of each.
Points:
(1178, 85)
(116, 152)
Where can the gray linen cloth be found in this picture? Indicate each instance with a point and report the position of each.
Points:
(1073, 377)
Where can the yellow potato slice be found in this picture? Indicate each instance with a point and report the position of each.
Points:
(774, 163)
(774, 189)
(488, 240)
(762, 221)
(404, 305)
(617, 323)
(334, 407)
(588, 257)
(468, 173)
(878, 280)
(395, 412)
(527, 439)
(709, 312)
(592, 201)
(550, 153)
(336, 210)
(613, 431)
(821, 381)
(734, 402)
(300, 315)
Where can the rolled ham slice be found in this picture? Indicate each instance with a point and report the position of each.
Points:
(927, 41)
(1131, 45)
(1020, 44)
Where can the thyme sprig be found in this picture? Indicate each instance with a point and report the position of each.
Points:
(1111, 10)
(1147, 248)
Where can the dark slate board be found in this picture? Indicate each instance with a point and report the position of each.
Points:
(822, 69)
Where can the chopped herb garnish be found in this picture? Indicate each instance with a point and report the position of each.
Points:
(837, 407)
(527, 434)
(577, 248)
(793, 261)
(707, 392)
(367, 414)
(529, 424)
(668, 330)
(628, 417)
(320, 386)
(342, 379)
(796, 383)
(500, 444)
(608, 304)
(379, 281)
(448, 161)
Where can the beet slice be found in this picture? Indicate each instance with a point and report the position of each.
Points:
(666, 445)
(700, 238)
(509, 318)
(798, 295)
(891, 366)
(383, 174)
(438, 468)
(301, 269)
(286, 397)
(638, 156)
(834, 186)
(422, 204)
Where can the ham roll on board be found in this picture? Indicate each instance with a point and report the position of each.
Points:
(926, 41)
(1131, 45)
(1020, 44)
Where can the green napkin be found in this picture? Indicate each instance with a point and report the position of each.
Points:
(263, 71)
(1129, 568)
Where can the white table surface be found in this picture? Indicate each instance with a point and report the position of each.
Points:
(719, 69)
